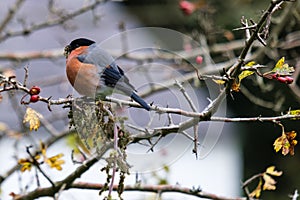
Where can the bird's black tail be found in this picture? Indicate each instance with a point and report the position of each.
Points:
(139, 100)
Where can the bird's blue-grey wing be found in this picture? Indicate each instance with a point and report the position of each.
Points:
(110, 73)
(97, 56)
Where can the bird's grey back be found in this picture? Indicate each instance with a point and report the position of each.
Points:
(97, 56)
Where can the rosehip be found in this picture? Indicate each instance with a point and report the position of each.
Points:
(199, 60)
(34, 98)
(187, 7)
(275, 76)
(289, 80)
(34, 90)
(282, 79)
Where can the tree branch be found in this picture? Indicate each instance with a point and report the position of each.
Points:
(157, 189)
(11, 13)
(52, 22)
(255, 119)
(144, 188)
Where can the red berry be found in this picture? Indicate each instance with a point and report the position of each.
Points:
(285, 79)
(187, 7)
(34, 98)
(289, 80)
(281, 79)
(199, 60)
(275, 76)
(34, 90)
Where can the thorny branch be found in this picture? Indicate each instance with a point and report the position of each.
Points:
(11, 84)
(193, 107)
(150, 188)
(37, 165)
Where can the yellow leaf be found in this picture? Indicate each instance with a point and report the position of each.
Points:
(286, 142)
(291, 135)
(294, 112)
(257, 191)
(250, 64)
(279, 63)
(219, 82)
(26, 164)
(292, 142)
(281, 143)
(237, 83)
(277, 144)
(269, 182)
(271, 170)
(283, 69)
(33, 118)
(55, 162)
(280, 69)
(244, 74)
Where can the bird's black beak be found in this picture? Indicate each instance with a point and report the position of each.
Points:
(67, 51)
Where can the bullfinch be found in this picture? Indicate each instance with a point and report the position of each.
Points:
(93, 72)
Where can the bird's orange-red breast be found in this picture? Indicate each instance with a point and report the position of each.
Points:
(82, 76)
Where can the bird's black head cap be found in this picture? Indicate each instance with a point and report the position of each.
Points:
(77, 43)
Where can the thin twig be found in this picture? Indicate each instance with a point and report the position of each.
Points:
(11, 13)
(155, 143)
(186, 95)
(51, 22)
(188, 136)
(25, 76)
(37, 178)
(193, 107)
(171, 123)
(256, 119)
(37, 165)
(251, 179)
